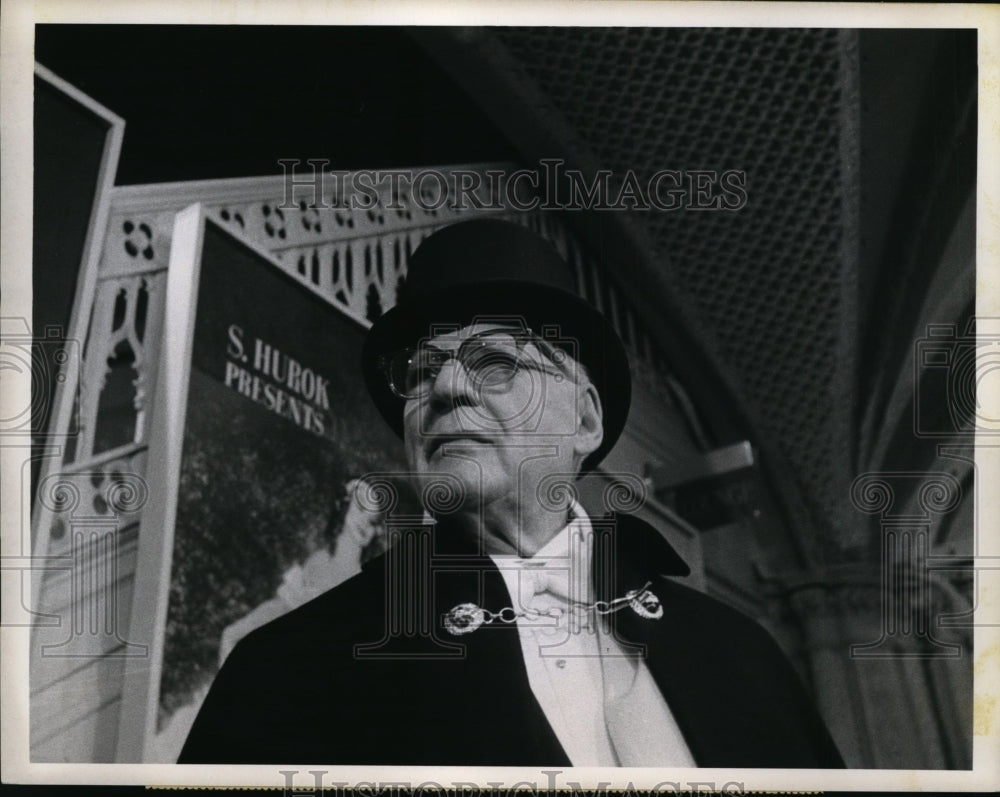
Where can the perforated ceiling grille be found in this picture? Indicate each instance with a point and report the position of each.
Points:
(765, 283)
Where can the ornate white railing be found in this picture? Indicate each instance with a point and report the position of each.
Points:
(353, 257)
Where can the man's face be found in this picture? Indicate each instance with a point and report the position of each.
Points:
(497, 436)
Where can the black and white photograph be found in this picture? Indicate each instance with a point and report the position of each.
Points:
(596, 393)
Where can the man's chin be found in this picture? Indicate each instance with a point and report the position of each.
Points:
(480, 483)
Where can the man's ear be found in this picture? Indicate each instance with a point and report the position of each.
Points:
(590, 421)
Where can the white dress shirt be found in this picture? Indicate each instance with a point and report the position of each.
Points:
(601, 702)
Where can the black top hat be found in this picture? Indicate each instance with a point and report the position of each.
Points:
(489, 267)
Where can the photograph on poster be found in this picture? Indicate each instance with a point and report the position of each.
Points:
(513, 396)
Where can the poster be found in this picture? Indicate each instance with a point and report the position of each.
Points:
(276, 431)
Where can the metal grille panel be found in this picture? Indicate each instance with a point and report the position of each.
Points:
(766, 284)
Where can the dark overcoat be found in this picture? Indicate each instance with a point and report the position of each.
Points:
(366, 674)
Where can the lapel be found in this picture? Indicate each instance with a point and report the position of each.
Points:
(629, 553)
(726, 686)
(673, 656)
(491, 686)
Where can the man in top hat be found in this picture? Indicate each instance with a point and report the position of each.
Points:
(507, 627)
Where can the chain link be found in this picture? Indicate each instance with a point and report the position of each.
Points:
(509, 615)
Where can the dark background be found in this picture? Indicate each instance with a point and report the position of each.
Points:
(208, 101)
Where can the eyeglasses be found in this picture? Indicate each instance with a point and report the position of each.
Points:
(491, 360)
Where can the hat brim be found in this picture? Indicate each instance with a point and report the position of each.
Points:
(571, 321)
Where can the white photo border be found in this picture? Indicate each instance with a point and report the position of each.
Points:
(16, 72)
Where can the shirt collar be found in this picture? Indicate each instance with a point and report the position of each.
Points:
(560, 568)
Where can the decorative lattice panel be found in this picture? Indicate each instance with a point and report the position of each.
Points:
(354, 258)
(766, 284)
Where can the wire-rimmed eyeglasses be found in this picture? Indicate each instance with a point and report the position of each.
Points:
(491, 359)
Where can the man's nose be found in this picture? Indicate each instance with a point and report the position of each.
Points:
(452, 384)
